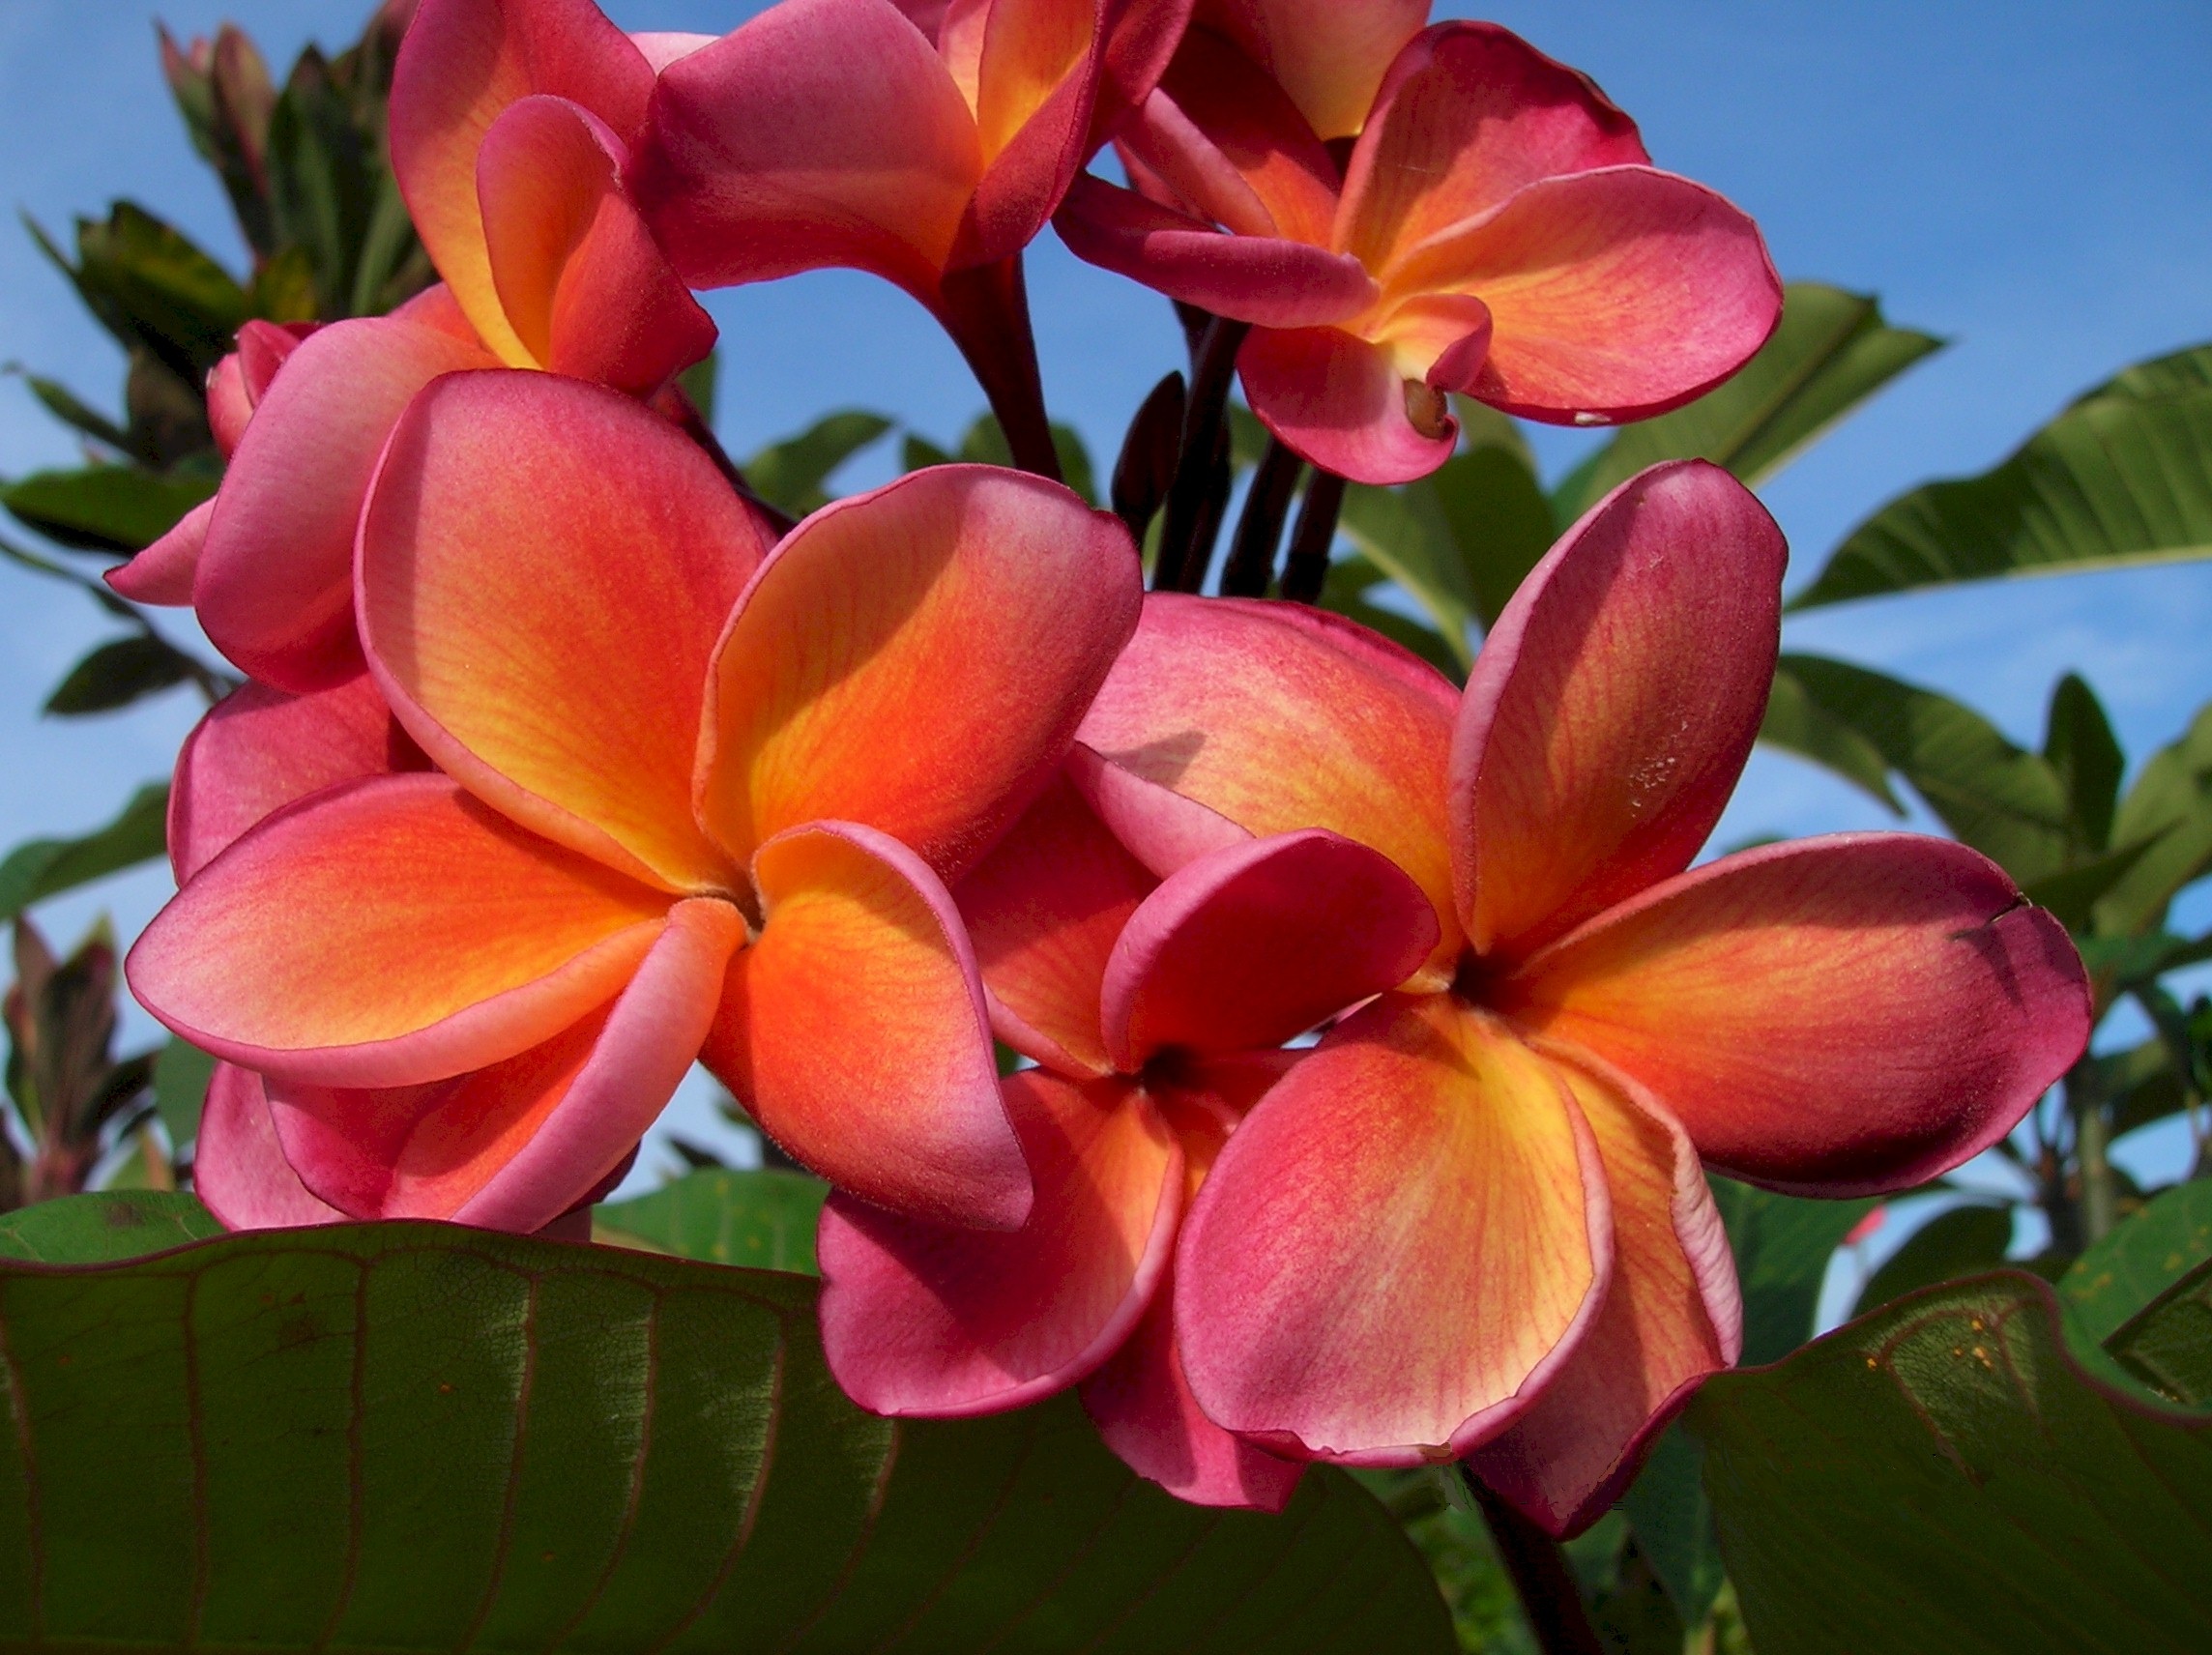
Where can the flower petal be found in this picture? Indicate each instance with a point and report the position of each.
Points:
(164, 572)
(387, 933)
(239, 1170)
(926, 1318)
(1671, 1316)
(820, 133)
(1143, 1407)
(1252, 946)
(274, 586)
(1398, 1246)
(662, 48)
(1468, 114)
(916, 659)
(1328, 55)
(1613, 704)
(545, 570)
(1036, 82)
(1340, 402)
(1267, 280)
(1280, 717)
(514, 1146)
(462, 63)
(581, 281)
(1043, 911)
(854, 1030)
(1158, 827)
(259, 750)
(1837, 1016)
(1614, 294)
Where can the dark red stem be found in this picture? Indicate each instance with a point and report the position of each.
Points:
(986, 309)
(1306, 568)
(1549, 1598)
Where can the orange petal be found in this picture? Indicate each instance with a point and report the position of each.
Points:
(1044, 910)
(854, 1032)
(1280, 717)
(1614, 705)
(1329, 55)
(545, 570)
(1838, 1016)
(578, 275)
(462, 63)
(1398, 1247)
(1466, 117)
(928, 1319)
(514, 1146)
(387, 933)
(916, 659)
(1672, 1316)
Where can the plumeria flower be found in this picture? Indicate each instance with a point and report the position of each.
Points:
(690, 797)
(926, 143)
(1155, 1010)
(511, 123)
(1473, 1219)
(1496, 229)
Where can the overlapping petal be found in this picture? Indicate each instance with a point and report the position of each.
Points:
(925, 1319)
(273, 586)
(1672, 1316)
(1278, 719)
(1341, 401)
(916, 659)
(462, 64)
(1252, 946)
(514, 1146)
(1398, 1246)
(543, 615)
(1834, 1016)
(259, 750)
(239, 1170)
(164, 572)
(389, 933)
(1328, 55)
(1044, 910)
(854, 1032)
(1614, 705)
(578, 277)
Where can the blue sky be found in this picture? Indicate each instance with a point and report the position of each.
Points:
(2032, 180)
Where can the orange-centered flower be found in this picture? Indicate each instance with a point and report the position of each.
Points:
(1496, 228)
(1474, 1218)
(690, 797)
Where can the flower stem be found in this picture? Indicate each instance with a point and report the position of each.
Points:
(1181, 566)
(1306, 568)
(2093, 1140)
(1252, 555)
(1549, 1596)
(986, 309)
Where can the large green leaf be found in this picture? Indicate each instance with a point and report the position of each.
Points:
(180, 1076)
(2005, 802)
(759, 1218)
(46, 867)
(1940, 1478)
(2142, 1257)
(2168, 1344)
(1782, 1244)
(790, 474)
(1831, 352)
(2169, 808)
(1961, 1242)
(2123, 477)
(150, 286)
(115, 509)
(1404, 533)
(1673, 1523)
(1350, 590)
(97, 1229)
(410, 1436)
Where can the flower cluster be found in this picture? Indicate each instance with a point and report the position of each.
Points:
(564, 763)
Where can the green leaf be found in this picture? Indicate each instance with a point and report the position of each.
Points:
(64, 405)
(1782, 1245)
(1674, 1523)
(99, 1228)
(2170, 803)
(1831, 352)
(149, 285)
(1499, 522)
(117, 673)
(2169, 1344)
(698, 382)
(2122, 476)
(2073, 893)
(1075, 466)
(180, 1076)
(915, 453)
(1797, 723)
(1403, 532)
(414, 1438)
(42, 868)
(324, 179)
(1960, 1242)
(115, 509)
(1941, 1479)
(790, 474)
(1345, 589)
(2005, 803)
(761, 1219)
(2142, 1257)
(2080, 746)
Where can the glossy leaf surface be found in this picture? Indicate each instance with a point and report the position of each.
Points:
(46, 867)
(105, 508)
(2142, 1257)
(757, 1218)
(97, 1229)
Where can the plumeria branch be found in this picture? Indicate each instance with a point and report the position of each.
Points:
(1541, 1576)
